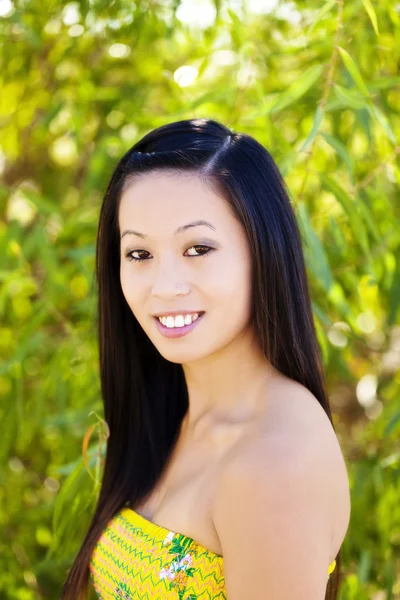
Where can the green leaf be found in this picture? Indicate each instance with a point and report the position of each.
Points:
(394, 295)
(364, 120)
(318, 116)
(367, 215)
(298, 88)
(393, 424)
(338, 238)
(341, 150)
(321, 314)
(322, 339)
(354, 71)
(70, 467)
(76, 495)
(321, 13)
(287, 162)
(374, 111)
(350, 207)
(383, 83)
(67, 492)
(372, 14)
(350, 98)
(236, 29)
(314, 250)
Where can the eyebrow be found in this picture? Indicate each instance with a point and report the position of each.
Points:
(180, 229)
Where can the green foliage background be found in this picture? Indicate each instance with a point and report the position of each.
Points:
(318, 85)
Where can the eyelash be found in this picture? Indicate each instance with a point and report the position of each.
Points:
(131, 258)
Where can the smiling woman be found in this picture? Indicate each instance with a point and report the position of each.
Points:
(223, 475)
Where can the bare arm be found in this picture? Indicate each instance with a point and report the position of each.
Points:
(273, 515)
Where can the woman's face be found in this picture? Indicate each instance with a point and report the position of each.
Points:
(215, 281)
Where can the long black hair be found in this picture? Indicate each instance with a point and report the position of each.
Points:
(145, 396)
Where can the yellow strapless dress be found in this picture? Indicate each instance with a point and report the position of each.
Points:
(137, 559)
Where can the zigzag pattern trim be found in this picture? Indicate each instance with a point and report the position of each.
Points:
(136, 559)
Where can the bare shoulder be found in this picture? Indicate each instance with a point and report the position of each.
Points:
(282, 505)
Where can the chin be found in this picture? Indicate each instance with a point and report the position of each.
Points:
(181, 356)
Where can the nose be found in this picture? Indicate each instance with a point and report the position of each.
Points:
(169, 282)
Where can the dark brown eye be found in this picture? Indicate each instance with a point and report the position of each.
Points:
(207, 248)
(130, 257)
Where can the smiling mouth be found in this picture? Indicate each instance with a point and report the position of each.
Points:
(199, 314)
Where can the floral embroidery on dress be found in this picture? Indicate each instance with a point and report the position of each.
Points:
(178, 572)
(122, 592)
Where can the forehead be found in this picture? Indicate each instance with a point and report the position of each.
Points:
(168, 197)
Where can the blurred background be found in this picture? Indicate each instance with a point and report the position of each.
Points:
(318, 84)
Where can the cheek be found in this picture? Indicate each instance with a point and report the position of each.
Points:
(232, 272)
(230, 283)
(129, 289)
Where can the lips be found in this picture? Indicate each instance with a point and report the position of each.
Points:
(177, 332)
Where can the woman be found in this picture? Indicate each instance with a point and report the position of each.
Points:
(223, 475)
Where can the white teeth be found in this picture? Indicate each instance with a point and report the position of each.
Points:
(179, 320)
